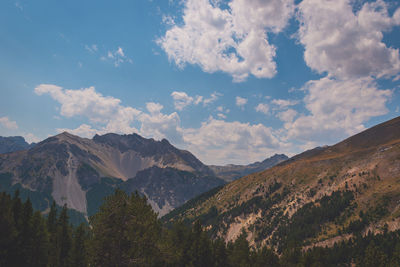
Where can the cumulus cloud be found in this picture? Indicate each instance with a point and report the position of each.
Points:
(233, 40)
(287, 115)
(154, 108)
(158, 125)
(101, 110)
(181, 100)
(8, 124)
(221, 115)
(31, 138)
(218, 141)
(338, 108)
(345, 43)
(241, 101)
(284, 103)
(84, 130)
(262, 107)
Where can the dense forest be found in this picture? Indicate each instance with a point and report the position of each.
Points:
(127, 232)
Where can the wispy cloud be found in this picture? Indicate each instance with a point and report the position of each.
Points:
(91, 48)
(117, 57)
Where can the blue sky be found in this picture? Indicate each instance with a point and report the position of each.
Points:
(231, 81)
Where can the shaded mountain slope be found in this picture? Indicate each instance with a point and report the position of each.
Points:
(232, 172)
(69, 168)
(13, 143)
(315, 198)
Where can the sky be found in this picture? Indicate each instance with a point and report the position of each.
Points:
(233, 82)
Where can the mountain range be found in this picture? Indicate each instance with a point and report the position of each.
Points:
(13, 143)
(316, 198)
(80, 172)
(231, 172)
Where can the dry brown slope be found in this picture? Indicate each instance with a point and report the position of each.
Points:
(367, 164)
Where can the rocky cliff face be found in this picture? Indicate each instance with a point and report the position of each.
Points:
(70, 169)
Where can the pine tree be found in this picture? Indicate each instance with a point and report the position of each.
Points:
(200, 251)
(8, 236)
(265, 257)
(220, 255)
(240, 253)
(374, 256)
(125, 232)
(79, 251)
(64, 238)
(53, 254)
(25, 238)
(40, 245)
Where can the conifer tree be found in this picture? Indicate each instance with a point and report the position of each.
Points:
(40, 244)
(125, 232)
(8, 236)
(64, 238)
(79, 250)
(240, 252)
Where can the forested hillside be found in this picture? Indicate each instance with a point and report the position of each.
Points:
(127, 232)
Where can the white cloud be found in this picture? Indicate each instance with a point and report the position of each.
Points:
(117, 57)
(31, 138)
(10, 128)
(91, 48)
(158, 125)
(221, 115)
(214, 96)
(241, 102)
(100, 110)
(233, 40)
(120, 52)
(337, 109)
(346, 44)
(181, 100)
(218, 141)
(168, 20)
(8, 124)
(263, 108)
(198, 99)
(83, 130)
(287, 115)
(284, 103)
(154, 108)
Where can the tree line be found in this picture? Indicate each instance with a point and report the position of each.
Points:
(126, 232)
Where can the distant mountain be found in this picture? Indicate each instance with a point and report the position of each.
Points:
(13, 143)
(232, 172)
(316, 198)
(79, 172)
